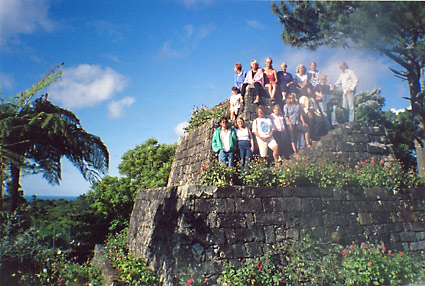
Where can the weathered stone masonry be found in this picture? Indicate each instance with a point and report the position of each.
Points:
(201, 225)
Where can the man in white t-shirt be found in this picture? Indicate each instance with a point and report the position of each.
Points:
(263, 129)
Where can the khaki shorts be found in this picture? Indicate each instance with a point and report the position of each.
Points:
(262, 145)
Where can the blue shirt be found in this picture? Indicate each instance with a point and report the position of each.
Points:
(292, 112)
(239, 79)
(283, 79)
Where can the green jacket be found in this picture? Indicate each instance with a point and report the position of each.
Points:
(216, 141)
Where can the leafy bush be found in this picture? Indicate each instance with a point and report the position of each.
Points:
(203, 114)
(374, 265)
(389, 175)
(134, 271)
(304, 261)
(216, 174)
(259, 173)
(26, 259)
(304, 172)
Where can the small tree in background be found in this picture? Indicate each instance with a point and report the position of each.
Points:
(112, 199)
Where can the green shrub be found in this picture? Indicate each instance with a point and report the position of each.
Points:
(215, 174)
(307, 262)
(323, 174)
(203, 114)
(134, 271)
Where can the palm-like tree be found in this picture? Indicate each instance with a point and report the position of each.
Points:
(40, 133)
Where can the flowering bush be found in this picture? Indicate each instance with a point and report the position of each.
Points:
(134, 271)
(375, 265)
(259, 174)
(60, 270)
(203, 114)
(304, 172)
(388, 175)
(216, 174)
(299, 262)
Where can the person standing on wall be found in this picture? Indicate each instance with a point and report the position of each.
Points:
(224, 142)
(348, 81)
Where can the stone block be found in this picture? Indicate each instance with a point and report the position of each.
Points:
(408, 236)
(206, 205)
(310, 220)
(365, 218)
(244, 205)
(226, 206)
(267, 192)
(254, 249)
(231, 220)
(249, 234)
(249, 218)
(228, 192)
(269, 219)
(270, 234)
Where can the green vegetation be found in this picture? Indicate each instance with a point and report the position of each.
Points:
(303, 172)
(315, 263)
(203, 114)
(134, 271)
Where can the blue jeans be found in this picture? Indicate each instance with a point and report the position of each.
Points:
(245, 153)
(348, 102)
(226, 156)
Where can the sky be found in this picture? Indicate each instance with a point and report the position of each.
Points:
(136, 69)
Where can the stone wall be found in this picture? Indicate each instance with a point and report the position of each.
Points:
(348, 143)
(175, 228)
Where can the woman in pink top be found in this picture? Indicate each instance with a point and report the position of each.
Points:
(254, 78)
(270, 78)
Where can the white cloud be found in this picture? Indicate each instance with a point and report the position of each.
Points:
(6, 81)
(86, 85)
(397, 111)
(255, 24)
(186, 41)
(117, 108)
(23, 17)
(179, 129)
(196, 3)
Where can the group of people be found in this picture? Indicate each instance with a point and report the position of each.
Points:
(307, 112)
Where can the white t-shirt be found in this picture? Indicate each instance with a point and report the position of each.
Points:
(235, 100)
(263, 126)
(225, 139)
(277, 122)
(242, 134)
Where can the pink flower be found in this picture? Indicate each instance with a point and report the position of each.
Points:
(369, 264)
(390, 252)
(189, 282)
(400, 253)
(351, 247)
(224, 284)
(362, 244)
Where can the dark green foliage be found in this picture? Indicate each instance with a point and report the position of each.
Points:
(149, 164)
(39, 134)
(369, 107)
(111, 200)
(401, 134)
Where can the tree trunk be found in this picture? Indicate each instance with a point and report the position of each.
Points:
(417, 104)
(13, 186)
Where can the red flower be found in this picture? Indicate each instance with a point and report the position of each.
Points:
(362, 244)
(344, 252)
(400, 253)
(352, 247)
(260, 267)
(204, 168)
(58, 267)
(369, 264)
(281, 279)
(189, 282)
(390, 252)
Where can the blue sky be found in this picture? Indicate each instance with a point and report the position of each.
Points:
(135, 69)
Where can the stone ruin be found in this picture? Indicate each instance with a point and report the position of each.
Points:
(185, 225)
